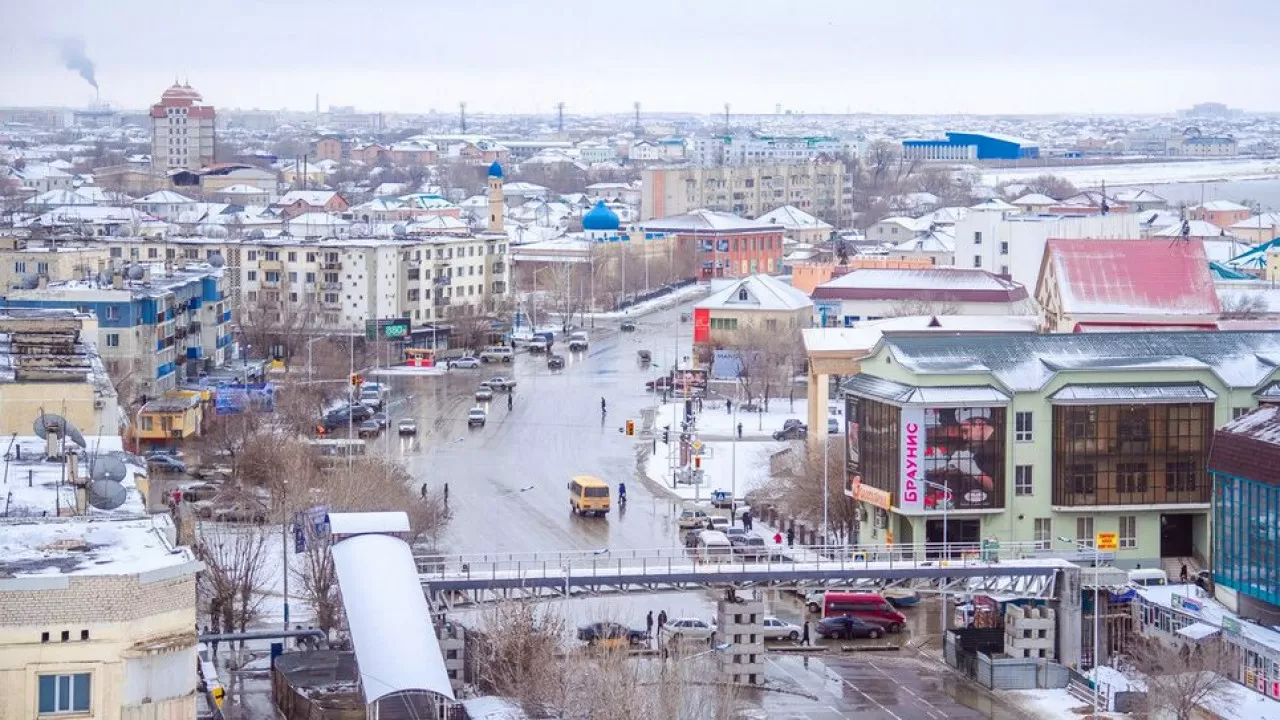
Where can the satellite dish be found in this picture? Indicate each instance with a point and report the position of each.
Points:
(135, 272)
(50, 423)
(217, 260)
(107, 467)
(107, 494)
(398, 229)
(257, 235)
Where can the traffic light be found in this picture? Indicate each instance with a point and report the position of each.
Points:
(697, 462)
(631, 427)
(666, 434)
(356, 380)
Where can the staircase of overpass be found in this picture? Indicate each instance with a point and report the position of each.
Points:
(1008, 570)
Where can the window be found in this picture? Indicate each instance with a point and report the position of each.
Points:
(63, 694)
(153, 253)
(1180, 476)
(113, 340)
(20, 267)
(1084, 531)
(253, 255)
(311, 257)
(271, 255)
(1239, 411)
(977, 238)
(1022, 427)
(272, 276)
(42, 268)
(1084, 479)
(1004, 248)
(1022, 480)
(771, 324)
(724, 323)
(293, 256)
(743, 295)
(293, 277)
(310, 277)
(252, 275)
(1044, 533)
(1131, 477)
(113, 312)
(1128, 531)
(977, 261)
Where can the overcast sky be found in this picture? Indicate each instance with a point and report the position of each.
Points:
(886, 56)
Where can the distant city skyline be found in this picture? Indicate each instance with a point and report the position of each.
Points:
(822, 56)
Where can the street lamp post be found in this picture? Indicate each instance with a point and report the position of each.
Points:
(946, 540)
(1097, 595)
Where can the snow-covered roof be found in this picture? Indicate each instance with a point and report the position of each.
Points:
(1210, 611)
(1138, 195)
(1026, 362)
(315, 198)
(395, 645)
(59, 197)
(1265, 221)
(523, 188)
(793, 218)
(1131, 277)
(930, 242)
(707, 220)
(866, 334)
(1220, 206)
(763, 292)
(910, 223)
(242, 190)
(945, 215)
(1262, 424)
(364, 523)
(1035, 199)
(947, 279)
(993, 205)
(315, 218)
(45, 547)
(164, 197)
(1195, 229)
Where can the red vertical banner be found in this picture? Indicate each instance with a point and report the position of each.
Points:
(701, 325)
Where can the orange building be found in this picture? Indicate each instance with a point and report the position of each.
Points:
(807, 276)
(727, 245)
(328, 148)
(1222, 213)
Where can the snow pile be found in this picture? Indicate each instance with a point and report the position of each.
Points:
(715, 423)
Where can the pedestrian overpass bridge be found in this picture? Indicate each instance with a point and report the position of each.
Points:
(1012, 570)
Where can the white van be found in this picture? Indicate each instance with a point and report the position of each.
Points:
(1147, 577)
(496, 353)
(714, 546)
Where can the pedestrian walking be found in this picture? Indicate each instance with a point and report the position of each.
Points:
(446, 494)
(746, 520)
(804, 636)
(510, 401)
(739, 431)
(662, 620)
(699, 404)
(777, 538)
(424, 491)
(728, 407)
(648, 625)
(1182, 577)
(791, 536)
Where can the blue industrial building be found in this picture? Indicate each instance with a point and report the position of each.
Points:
(971, 146)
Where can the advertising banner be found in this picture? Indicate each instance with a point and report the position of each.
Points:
(911, 490)
(701, 325)
(852, 448)
(963, 455)
(235, 399)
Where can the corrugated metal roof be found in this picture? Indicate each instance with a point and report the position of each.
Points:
(1146, 394)
(1025, 362)
(1131, 277)
(874, 388)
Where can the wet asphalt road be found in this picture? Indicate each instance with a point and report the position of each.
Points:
(507, 479)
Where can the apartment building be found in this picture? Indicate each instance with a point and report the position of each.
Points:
(97, 619)
(157, 326)
(1012, 244)
(760, 149)
(182, 130)
(749, 191)
(23, 264)
(1025, 437)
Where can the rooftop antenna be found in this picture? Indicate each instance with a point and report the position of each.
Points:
(637, 107)
(560, 117)
(1103, 202)
(462, 115)
(726, 118)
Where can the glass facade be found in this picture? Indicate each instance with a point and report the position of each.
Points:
(878, 429)
(964, 458)
(1246, 536)
(1131, 454)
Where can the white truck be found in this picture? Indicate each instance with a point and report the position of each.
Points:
(578, 341)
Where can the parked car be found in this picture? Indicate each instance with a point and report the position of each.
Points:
(407, 427)
(717, 522)
(628, 326)
(382, 420)
(465, 362)
(658, 384)
(749, 546)
(775, 629)
(168, 452)
(602, 632)
(484, 394)
(847, 628)
(500, 382)
(555, 362)
(792, 430)
(687, 629)
(368, 428)
(166, 463)
(476, 417)
(692, 518)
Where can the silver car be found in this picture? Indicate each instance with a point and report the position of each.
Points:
(484, 394)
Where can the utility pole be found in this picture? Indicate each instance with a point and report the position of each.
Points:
(637, 107)
(462, 115)
(560, 117)
(726, 118)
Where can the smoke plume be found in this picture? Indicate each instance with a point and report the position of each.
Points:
(74, 58)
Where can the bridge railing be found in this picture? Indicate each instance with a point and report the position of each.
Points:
(665, 561)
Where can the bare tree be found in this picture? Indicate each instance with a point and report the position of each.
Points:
(1181, 675)
(768, 357)
(236, 571)
(468, 329)
(1243, 306)
(798, 488)
(1051, 185)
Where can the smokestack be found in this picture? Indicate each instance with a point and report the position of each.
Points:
(74, 58)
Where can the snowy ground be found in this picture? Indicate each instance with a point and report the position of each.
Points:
(718, 467)
(406, 370)
(1142, 173)
(714, 423)
(684, 294)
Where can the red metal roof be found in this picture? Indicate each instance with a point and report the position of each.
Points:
(1132, 277)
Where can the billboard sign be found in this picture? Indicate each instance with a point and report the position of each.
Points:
(689, 382)
(852, 448)
(952, 459)
(701, 325)
(233, 399)
(386, 329)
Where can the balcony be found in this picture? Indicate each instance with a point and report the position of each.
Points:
(330, 266)
(499, 288)
(330, 286)
(499, 268)
(440, 301)
(442, 280)
(270, 265)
